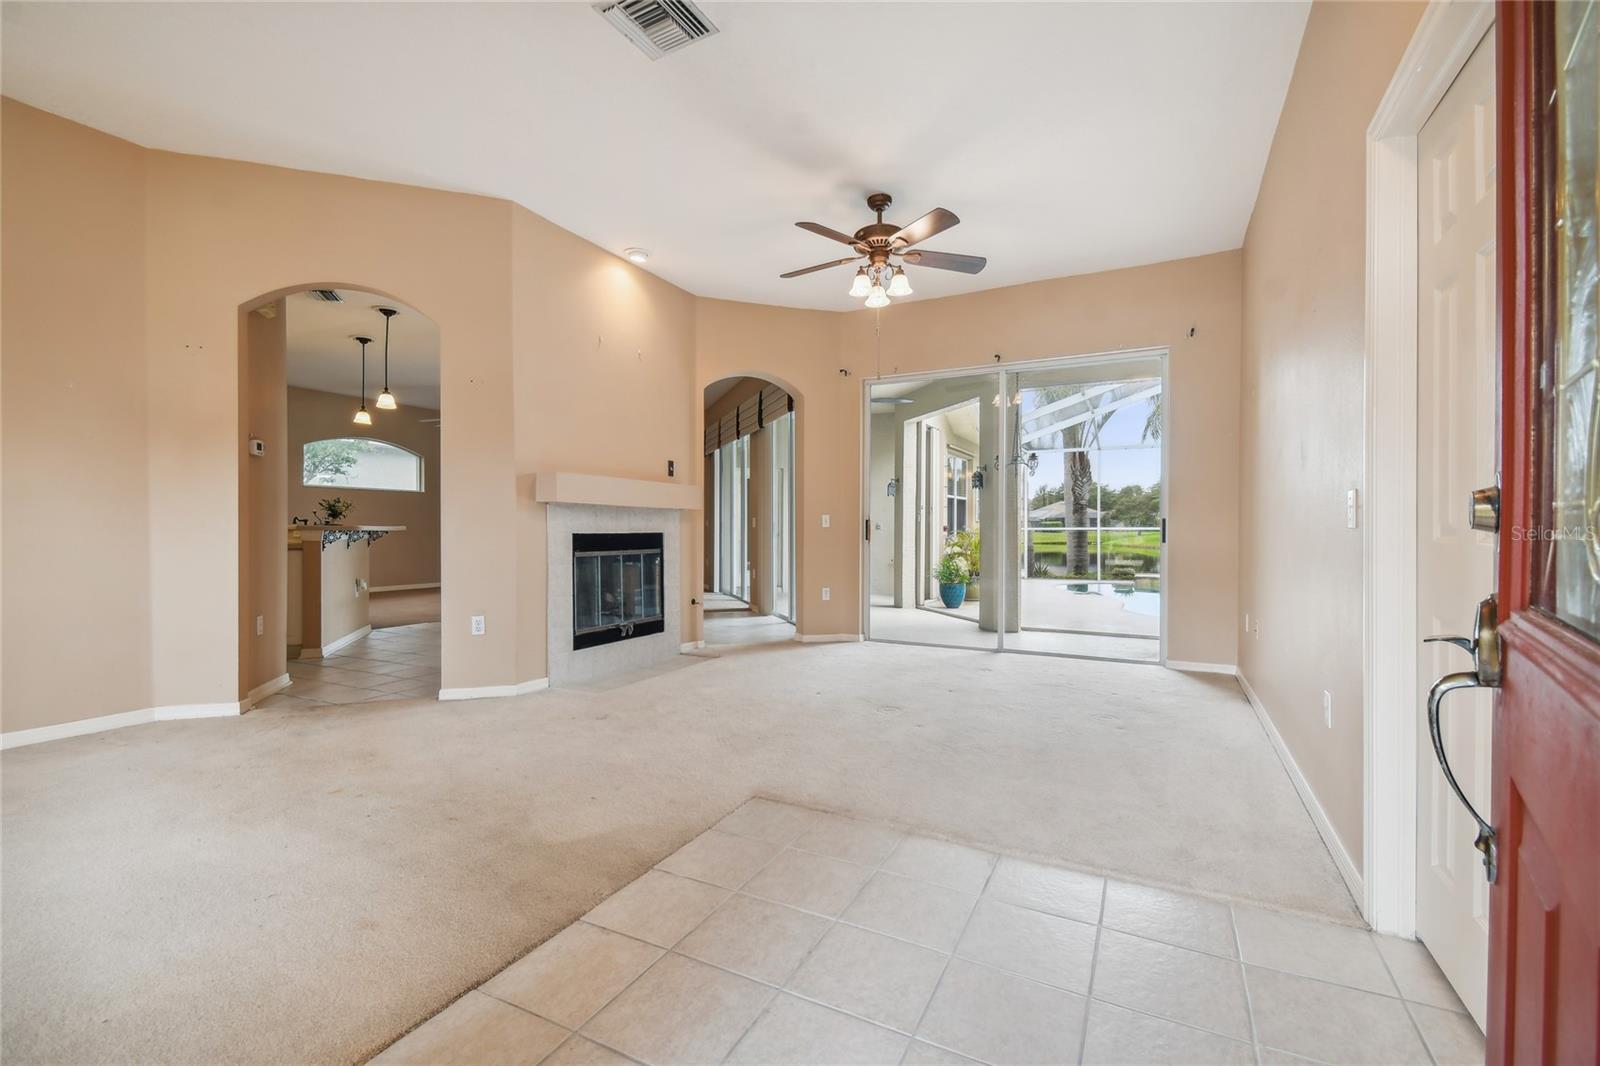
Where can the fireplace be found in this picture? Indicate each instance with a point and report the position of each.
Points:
(616, 587)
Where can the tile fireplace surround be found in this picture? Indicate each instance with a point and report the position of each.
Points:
(575, 667)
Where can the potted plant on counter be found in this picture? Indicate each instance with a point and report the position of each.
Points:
(952, 574)
(332, 510)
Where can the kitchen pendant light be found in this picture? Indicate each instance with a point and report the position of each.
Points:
(362, 418)
(386, 398)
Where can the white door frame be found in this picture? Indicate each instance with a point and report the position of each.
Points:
(1441, 46)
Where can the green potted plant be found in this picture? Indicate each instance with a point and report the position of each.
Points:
(332, 510)
(966, 542)
(952, 574)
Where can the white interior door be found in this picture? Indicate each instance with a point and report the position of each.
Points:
(1456, 393)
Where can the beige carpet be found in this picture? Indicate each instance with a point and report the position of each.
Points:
(303, 885)
(405, 607)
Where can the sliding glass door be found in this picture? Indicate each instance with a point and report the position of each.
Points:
(1041, 487)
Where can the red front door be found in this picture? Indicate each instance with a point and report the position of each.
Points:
(1544, 951)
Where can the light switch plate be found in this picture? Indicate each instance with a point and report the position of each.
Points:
(827, 520)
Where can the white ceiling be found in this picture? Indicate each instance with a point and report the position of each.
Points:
(322, 353)
(1068, 137)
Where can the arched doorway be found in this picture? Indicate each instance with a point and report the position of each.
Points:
(751, 562)
(340, 558)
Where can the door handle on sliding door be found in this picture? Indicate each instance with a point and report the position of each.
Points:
(1484, 647)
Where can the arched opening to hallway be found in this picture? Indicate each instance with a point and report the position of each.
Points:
(340, 499)
(751, 558)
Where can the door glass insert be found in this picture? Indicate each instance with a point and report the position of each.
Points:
(1568, 577)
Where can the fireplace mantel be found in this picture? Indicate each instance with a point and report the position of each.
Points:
(598, 490)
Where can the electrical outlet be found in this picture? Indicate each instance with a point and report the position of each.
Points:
(1327, 708)
(826, 593)
(1255, 627)
(261, 625)
(827, 520)
(477, 625)
(1352, 508)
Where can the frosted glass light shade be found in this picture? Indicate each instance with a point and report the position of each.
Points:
(386, 401)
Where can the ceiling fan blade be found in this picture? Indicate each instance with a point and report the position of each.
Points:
(936, 221)
(819, 266)
(823, 231)
(967, 264)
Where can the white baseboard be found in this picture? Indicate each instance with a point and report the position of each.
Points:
(691, 645)
(18, 738)
(828, 638)
(345, 641)
(403, 588)
(265, 689)
(485, 692)
(1319, 817)
(199, 710)
(1203, 668)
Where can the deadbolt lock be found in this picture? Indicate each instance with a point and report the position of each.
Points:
(1484, 513)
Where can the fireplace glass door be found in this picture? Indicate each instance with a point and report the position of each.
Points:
(616, 587)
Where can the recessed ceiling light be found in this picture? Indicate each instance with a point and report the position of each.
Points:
(637, 255)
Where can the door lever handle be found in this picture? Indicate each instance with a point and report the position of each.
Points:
(1466, 644)
(1484, 647)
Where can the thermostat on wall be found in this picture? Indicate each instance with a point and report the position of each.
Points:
(258, 447)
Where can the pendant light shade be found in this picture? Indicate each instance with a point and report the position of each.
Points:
(386, 398)
(362, 418)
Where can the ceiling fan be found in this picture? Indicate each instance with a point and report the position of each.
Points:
(880, 243)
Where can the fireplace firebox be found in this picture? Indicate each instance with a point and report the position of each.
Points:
(616, 587)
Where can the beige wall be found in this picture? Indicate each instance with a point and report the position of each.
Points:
(1303, 411)
(1191, 307)
(409, 558)
(74, 487)
(593, 356)
(603, 363)
(263, 581)
(555, 354)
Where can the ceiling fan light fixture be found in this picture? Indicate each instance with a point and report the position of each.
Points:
(899, 285)
(877, 297)
(860, 285)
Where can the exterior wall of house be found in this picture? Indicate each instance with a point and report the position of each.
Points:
(1300, 576)
(409, 558)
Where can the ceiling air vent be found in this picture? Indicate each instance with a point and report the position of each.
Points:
(327, 296)
(657, 26)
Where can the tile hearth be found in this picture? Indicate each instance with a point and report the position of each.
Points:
(786, 935)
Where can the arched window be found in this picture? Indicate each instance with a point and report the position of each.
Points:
(361, 463)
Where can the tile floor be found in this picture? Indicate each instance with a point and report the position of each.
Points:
(401, 662)
(784, 935)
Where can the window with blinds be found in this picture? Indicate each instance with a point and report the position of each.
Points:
(759, 411)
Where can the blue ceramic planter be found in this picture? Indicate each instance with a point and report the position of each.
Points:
(952, 595)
